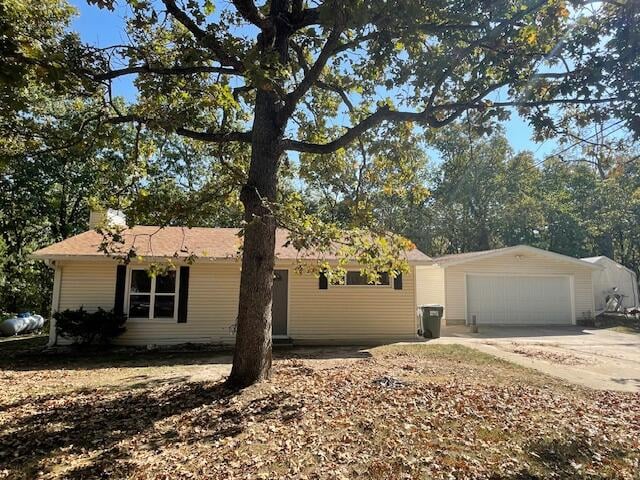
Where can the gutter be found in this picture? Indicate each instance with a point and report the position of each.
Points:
(55, 302)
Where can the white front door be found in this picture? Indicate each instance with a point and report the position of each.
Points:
(519, 300)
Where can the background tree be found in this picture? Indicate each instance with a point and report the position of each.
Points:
(568, 195)
(470, 189)
(378, 182)
(48, 177)
(522, 218)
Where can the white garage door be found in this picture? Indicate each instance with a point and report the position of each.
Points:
(519, 300)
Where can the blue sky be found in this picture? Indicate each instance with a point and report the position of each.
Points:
(102, 28)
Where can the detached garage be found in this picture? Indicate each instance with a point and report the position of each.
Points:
(520, 299)
(518, 285)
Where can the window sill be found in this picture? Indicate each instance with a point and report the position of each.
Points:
(152, 320)
(360, 286)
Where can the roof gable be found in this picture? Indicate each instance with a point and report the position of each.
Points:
(457, 259)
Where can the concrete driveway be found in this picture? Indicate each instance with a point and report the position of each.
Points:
(602, 359)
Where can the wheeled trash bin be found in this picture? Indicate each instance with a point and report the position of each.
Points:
(431, 317)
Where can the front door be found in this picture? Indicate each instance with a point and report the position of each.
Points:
(280, 302)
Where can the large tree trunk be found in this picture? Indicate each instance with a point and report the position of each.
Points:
(483, 239)
(252, 354)
(605, 243)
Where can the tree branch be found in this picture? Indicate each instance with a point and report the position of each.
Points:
(210, 137)
(492, 35)
(527, 104)
(306, 18)
(146, 68)
(385, 113)
(251, 13)
(311, 75)
(388, 115)
(357, 41)
(215, 137)
(206, 39)
(340, 91)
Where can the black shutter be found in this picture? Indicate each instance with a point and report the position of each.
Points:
(323, 283)
(183, 295)
(397, 282)
(121, 277)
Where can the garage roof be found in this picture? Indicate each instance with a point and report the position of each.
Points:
(457, 259)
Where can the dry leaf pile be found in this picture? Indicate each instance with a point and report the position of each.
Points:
(548, 355)
(390, 415)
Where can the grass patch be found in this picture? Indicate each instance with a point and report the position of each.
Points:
(459, 361)
(619, 323)
(632, 329)
(453, 352)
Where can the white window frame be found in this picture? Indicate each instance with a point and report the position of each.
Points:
(345, 285)
(152, 298)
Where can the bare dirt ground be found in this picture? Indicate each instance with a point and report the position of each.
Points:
(607, 359)
(400, 411)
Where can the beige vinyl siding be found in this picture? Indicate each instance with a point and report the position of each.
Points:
(87, 284)
(429, 285)
(212, 307)
(351, 314)
(84, 284)
(529, 264)
(337, 315)
(211, 315)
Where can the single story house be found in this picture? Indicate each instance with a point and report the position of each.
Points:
(198, 302)
(518, 285)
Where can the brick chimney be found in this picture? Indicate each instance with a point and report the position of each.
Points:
(98, 218)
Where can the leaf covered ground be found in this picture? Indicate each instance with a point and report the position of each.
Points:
(414, 411)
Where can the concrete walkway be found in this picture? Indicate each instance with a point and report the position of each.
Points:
(601, 359)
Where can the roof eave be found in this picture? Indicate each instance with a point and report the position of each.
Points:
(100, 258)
(500, 252)
(103, 257)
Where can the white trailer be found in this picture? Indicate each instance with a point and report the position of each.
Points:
(613, 278)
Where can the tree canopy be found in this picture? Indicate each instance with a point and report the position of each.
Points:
(331, 81)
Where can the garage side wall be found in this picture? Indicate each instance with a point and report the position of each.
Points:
(528, 264)
(430, 285)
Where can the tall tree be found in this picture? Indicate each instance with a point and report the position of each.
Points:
(378, 182)
(470, 191)
(47, 179)
(568, 194)
(522, 214)
(274, 75)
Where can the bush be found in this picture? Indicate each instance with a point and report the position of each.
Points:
(83, 327)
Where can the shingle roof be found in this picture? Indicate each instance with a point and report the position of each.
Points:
(468, 255)
(465, 257)
(151, 241)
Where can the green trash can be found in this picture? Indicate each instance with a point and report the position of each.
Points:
(431, 316)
